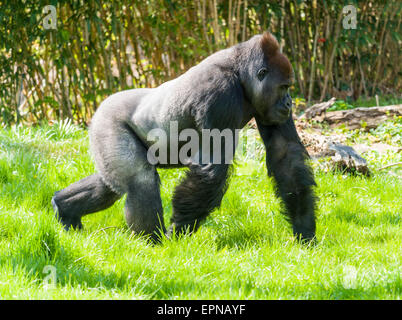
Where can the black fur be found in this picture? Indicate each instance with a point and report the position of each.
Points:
(198, 194)
(286, 162)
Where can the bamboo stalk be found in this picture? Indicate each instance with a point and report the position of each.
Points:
(217, 32)
(282, 42)
(202, 9)
(328, 74)
(312, 70)
(230, 23)
(237, 29)
(380, 55)
(243, 34)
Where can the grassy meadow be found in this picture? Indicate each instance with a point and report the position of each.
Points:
(244, 250)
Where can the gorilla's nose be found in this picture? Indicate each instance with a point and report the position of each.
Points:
(286, 106)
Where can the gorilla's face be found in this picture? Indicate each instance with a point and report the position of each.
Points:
(268, 79)
(272, 101)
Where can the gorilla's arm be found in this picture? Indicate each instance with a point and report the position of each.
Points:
(286, 162)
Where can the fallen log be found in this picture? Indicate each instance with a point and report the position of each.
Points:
(361, 117)
(354, 118)
(317, 109)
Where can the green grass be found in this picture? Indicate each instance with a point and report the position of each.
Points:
(244, 250)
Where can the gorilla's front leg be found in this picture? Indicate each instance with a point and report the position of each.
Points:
(86, 196)
(199, 193)
(286, 162)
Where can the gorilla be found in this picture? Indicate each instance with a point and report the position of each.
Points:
(224, 91)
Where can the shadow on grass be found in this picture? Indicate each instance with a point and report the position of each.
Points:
(73, 272)
(85, 276)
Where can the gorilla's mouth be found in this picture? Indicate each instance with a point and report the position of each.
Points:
(284, 112)
(282, 117)
(273, 118)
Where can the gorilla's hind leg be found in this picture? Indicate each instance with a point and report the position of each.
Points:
(143, 209)
(86, 196)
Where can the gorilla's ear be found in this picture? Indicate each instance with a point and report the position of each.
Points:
(269, 44)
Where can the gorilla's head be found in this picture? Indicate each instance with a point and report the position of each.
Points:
(266, 75)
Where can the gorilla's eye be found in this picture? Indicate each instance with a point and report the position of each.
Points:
(261, 73)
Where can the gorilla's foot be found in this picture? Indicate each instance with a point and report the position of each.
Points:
(85, 196)
(305, 233)
(68, 221)
(155, 237)
(185, 229)
(306, 239)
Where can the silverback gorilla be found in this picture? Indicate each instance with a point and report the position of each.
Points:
(224, 91)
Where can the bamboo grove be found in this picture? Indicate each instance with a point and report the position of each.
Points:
(100, 47)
